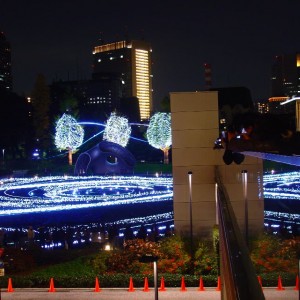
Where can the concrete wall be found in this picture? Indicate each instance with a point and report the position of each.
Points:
(195, 127)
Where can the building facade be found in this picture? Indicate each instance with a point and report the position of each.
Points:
(285, 83)
(130, 62)
(195, 126)
(285, 80)
(5, 63)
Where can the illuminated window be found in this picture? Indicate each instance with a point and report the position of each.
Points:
(142, 82)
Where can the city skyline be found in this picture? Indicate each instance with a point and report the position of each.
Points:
(239, 40)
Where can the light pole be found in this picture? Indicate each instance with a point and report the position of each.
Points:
(216, 199)
(245, 184)
(190, 173)
(151, 258)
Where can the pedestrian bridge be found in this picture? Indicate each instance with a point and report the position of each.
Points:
(238, 274)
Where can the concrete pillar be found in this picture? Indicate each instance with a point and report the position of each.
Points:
(195, 127)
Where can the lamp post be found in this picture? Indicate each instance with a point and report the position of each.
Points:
(245, 183)
(216, 199)
(190, 173)
(151, 258)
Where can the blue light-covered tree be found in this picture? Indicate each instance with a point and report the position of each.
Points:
(117, 130)
(159, 133)
(69, 135)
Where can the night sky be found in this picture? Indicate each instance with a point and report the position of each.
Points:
(238, 38)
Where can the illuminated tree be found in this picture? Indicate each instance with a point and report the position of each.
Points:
(159, 133)
(69, 135)
(117, 130)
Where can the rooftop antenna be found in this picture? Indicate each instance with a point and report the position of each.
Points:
(207, 76)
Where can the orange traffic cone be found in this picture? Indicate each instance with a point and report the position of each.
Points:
(259, 280)
(279, 287)
(97, 286)
(131, 288)
(9, 287)
(296, 288)
(146, 286)
(162, 285)
(51, 288)
(183, 288)
(219, 284)
(201, 285)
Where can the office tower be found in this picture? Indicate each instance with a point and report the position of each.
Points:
(5, 63)
(96, 98)
(129, 62)
(285, 79)
(285, 82)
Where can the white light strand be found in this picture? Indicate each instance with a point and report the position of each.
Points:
(117, 130)
(159, 131)
(21, 196)
(69, 134)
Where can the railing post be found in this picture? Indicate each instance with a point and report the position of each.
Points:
(245, 192)
(190, 173)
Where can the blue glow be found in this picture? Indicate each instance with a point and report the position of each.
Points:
(25, 195)
(282, 185)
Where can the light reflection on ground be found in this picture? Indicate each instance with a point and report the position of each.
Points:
(282, 199)
(114, 199)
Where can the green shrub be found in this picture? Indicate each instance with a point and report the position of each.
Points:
(271, 254)
(206, 259)
(173, 256)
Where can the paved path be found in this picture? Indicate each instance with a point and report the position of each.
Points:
(122, 294)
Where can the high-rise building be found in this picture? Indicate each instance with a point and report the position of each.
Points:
(285, 80)
(129, 62)
(5, 63)
(96, 98)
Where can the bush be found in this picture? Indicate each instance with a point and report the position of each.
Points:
(127, 259)
(206, 260)
(272, 254)
(271, 257)
(173, 256)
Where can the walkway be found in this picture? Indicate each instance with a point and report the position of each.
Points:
(116, 294)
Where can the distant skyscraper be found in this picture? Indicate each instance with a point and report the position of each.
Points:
(5, 63)
(285, 79)
(285, 82)
(130, 62)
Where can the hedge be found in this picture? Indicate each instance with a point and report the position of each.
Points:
(122, 280)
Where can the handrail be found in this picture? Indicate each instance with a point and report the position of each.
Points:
(237, 272)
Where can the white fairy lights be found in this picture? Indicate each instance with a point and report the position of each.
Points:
(117, 130)
(21, 196)
(159, 134)
(69, 134)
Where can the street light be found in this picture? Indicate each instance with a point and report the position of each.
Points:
(216, 199)
(245, 183)
(152, 258)
(190, 173)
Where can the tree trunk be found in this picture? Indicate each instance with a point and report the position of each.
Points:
(166, 155)
(70, 157)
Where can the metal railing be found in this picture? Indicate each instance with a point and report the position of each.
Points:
(238, 277)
